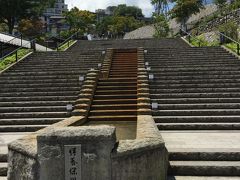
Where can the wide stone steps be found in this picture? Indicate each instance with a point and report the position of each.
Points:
(39, 89)
(35, 115)
(21, 128)
(35, 103)
(199, 126)
(197, 119)
(35, 98)
(29, 121)
(114, 92)
(113, 118)
(206, 155)
(24, 94)
(33, 109)
(203, 178)
(199, 106)
(205, 168)
(197, 112)
(197, 90)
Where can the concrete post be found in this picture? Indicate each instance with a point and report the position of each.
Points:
(97, 143)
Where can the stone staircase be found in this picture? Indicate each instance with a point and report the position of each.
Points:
(115, 99)
(197, 90)
(34, 93)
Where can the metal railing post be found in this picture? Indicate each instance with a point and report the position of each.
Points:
(238, 50)
(21, 40)
(1, 50)
(16, 56)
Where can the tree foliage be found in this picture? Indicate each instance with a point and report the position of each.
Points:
(161, 6)
(161, 26)
(220, 3)
(130, 11)
(30, 27)
(80, 20)
(183, 9)
(12, 11)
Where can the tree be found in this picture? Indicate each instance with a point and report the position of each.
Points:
(12, 11)
(80, 20)
(183, 9)
(161, 6)
(220, 4)
(30, 27)
(129, 11)
(161, 26)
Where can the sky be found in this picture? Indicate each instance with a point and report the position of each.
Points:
(92, 5)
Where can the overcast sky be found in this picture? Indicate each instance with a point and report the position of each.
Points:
(91, 5)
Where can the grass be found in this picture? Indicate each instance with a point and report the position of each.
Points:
(231, 46)
(6, 62)
(65, 46)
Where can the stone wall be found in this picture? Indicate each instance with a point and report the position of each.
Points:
(212, 25)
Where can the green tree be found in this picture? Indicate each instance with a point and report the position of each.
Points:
(183, 9)
(12, 11)
(220, 3)
(30, 27)
(80, 20)
(161, 26)
(130, 11)
(161, 6)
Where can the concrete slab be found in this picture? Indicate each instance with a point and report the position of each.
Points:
(202, 141)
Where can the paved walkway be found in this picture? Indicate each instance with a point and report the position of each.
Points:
(204, 141)
(17, 42)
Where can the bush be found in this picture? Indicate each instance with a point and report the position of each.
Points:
(230, 29)
(161, 26)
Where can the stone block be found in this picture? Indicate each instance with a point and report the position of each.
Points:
(97, 143)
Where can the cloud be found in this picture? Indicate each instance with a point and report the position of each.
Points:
(145, 5)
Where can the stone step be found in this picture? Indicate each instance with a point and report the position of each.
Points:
(208, 155)
(197, 119)
(198, 90)
(117, 87)
(200, 106)
(205, 168)
(115, 96)
(42, 81)
(194, 82)
(117, 83)
(21, 128)
(34, 115)
(203, 178)
(35, 103)
(114, 107)
(114, 101)
(198, 126)
(197, 77)
(203, 97)
(113, 118)
(196, 72)
(233, 98)
(40, 89)
(3, 169)
(36, 98)
(3, 178)
(197, 112)
(30, 121)
(38, 78)
(33, 109)
(114, 112)
(22, 94)
(114, 92)
(40, 85)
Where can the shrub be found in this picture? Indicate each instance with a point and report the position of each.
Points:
(230, 29)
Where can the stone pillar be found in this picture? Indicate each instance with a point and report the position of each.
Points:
(97, 143)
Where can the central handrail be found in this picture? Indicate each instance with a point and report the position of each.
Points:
(189, 35)
(67, 40)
